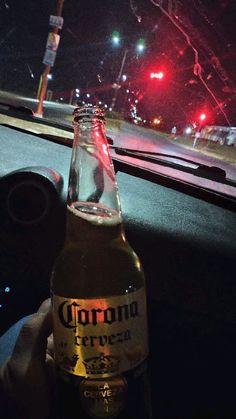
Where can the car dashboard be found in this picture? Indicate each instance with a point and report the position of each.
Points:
(186, 239)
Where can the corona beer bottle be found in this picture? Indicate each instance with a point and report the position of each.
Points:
(98, 291)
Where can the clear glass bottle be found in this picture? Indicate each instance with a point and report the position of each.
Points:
(98, 291)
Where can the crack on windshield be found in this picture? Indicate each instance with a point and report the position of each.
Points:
(171, 11)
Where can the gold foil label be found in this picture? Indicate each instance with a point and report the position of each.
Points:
(99, 338)
(103, 398)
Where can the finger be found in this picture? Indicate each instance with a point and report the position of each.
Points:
(50, 345)
(45, 306)
(32, 340)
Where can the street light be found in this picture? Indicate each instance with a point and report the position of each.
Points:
(74, 92)
(117, 84)
(115, 38)
(140, 47)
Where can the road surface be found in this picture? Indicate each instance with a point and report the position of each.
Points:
(130, 136)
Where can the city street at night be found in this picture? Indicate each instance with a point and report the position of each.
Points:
(117, 209)
(130, 136)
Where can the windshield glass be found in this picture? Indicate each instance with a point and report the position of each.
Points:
(163, 70)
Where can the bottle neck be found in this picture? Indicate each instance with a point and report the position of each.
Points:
(93, 192)
(88, 230)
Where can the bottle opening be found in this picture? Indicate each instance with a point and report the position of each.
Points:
(95, 212)
(93, 209)
(89, 112)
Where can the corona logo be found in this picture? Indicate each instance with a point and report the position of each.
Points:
(72, 315)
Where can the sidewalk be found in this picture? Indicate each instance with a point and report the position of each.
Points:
(222, 152)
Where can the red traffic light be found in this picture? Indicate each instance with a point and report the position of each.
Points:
(202, 117)
(158, 75)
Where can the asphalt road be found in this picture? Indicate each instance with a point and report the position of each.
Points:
(130, 136)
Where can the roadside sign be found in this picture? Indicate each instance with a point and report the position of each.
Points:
(53, 41)
(49, 94)
(56, 21)
(49, 57)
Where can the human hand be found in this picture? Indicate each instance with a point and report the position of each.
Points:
(28, 376)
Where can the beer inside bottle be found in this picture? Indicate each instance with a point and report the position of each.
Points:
(98, 291)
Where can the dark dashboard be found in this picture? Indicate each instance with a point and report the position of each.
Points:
(186, 240)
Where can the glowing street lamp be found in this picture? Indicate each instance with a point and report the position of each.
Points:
(188, 130)
(115, 38)
(140, 47)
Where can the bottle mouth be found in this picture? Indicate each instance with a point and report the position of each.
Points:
(88, 113)
(95, 212)
(94, 209)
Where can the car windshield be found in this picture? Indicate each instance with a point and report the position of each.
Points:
(164, 71)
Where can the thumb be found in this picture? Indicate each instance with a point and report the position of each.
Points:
(32, 339)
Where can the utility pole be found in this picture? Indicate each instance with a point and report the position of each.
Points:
(44, 77)
(117, 84)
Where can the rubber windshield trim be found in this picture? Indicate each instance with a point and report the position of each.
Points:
(201, 170)
(216, 198)
(16, 112)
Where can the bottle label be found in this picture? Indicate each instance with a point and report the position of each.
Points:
(99, 338)
(103, 398)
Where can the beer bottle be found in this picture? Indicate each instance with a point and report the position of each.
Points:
(98, 291)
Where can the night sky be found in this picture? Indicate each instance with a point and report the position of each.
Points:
(87, 60)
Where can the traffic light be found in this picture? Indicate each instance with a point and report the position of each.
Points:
(202, 117)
